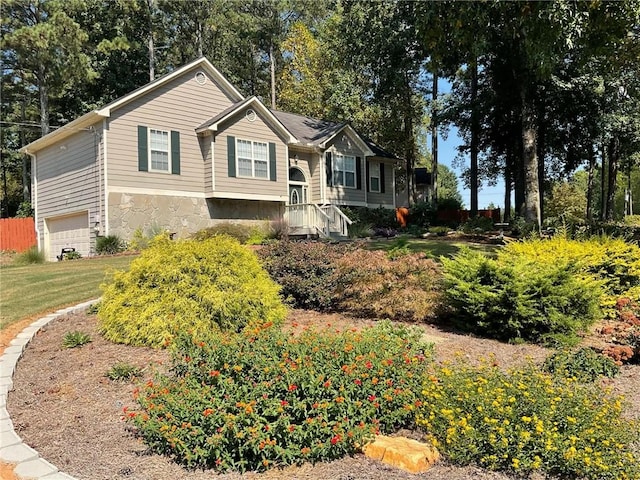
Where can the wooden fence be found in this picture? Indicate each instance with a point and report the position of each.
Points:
(463, 215)
(17, 234)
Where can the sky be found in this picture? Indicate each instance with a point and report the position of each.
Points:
(447, 152)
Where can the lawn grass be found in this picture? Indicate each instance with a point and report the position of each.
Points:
(433, 247)
(29, 290)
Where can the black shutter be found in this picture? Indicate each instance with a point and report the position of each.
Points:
(175, 152)
(143, 154)
(359, 173)
(329, 168)
(272, 162)
(368, 178)
(382, 178)
(231, 155)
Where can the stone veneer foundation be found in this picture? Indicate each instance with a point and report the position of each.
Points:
(182, 215)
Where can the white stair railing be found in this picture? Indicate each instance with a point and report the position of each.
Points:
(339, 222)
(308, 216)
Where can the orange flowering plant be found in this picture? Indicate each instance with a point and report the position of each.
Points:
(264, 397)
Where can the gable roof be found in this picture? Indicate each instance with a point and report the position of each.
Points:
(309, 131)
(317, 133)
(213, 123)
(95, 116)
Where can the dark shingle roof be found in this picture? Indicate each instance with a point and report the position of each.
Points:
(312, 132)
(309, 131)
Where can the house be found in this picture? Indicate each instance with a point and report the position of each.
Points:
(188, 150)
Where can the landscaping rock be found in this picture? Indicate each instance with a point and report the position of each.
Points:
(409, 455)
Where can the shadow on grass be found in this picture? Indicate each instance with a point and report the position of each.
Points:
(432, 247)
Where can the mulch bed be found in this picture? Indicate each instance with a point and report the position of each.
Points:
(65, 407)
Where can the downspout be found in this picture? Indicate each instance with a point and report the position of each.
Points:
(34, 197)
(105, 126)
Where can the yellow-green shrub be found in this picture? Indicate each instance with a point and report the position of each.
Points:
(614, 261)
(188, 285)
(523, 420)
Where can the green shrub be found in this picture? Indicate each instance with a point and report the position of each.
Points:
(109, 245)
(423, 215)
(380, 217)
(524, 421)
(305, 271)
(524, 299)
(141, 239)
(30, 256)
(360, 230)
(370, 284)
(244, 233)
(440, 231)
(613, 261)
(188, 284)
(632, 220)
(585, 364)
(477, 224)
(123, 371)
(72, 256)
(265, 398)
(75, 339)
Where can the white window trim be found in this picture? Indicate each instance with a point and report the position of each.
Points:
(150, 163)
(354, 171)
(371, 176)
(253, 160)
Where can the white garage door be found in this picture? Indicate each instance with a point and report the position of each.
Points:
(68, 232)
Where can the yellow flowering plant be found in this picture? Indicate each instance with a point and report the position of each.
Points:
(525, 420)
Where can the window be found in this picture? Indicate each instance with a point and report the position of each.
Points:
(344, 171)
(252, 159)
(374, 177)
(159, 150)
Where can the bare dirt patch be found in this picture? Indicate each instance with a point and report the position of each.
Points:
(65, 407)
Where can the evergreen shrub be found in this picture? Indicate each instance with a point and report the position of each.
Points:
(526, 299)
(525, 421)
(585, 364)
(109, 245)
(188, 285)
(244, 233)
(263, 398)
(613, 261)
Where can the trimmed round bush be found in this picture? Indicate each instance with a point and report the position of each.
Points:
(188, 286)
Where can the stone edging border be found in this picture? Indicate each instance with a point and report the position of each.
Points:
(29, 464)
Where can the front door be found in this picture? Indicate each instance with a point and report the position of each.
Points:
(295, 194)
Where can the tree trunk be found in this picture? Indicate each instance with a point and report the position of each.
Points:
(530, 165)
(434, 139)
(272, 67)
(592, 164)
(507, 196)
(150, 45)
(199, 40)
(603, 191)
(541, 136)
(614, 147)
(26, 182)
(44, 103)
(475, 130)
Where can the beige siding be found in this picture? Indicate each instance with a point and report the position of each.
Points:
(205, 148)
(257, 130)
(375, 200)
(315, 167)
(344, 144)
(181, 105)
(68, 176)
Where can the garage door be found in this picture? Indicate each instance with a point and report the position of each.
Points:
(68, 232)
